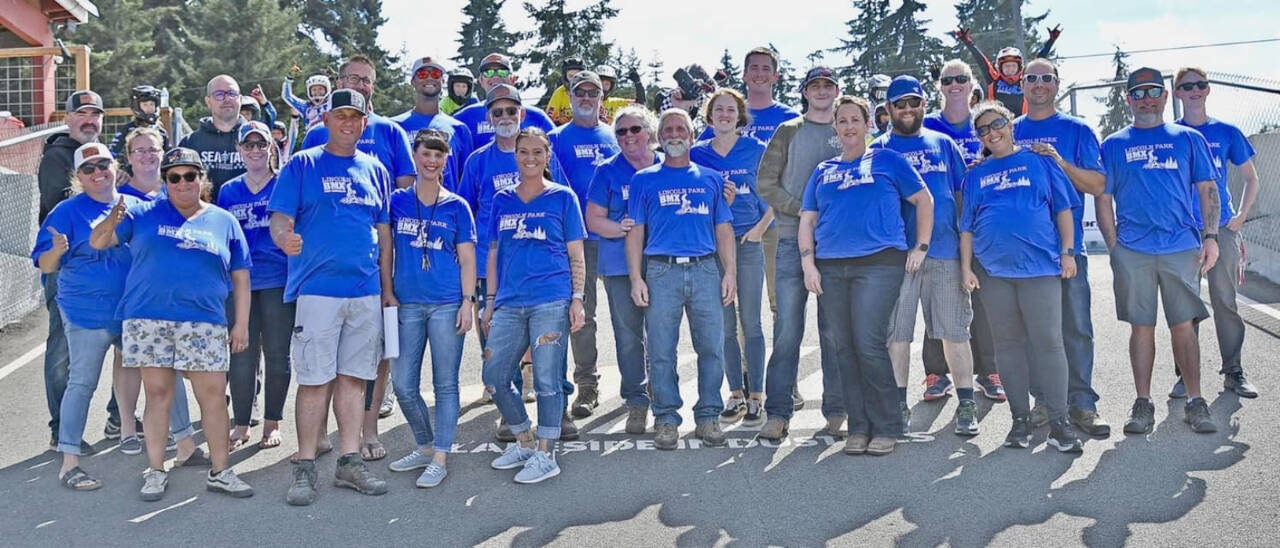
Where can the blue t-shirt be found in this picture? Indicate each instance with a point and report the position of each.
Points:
(611, 189)
(964, 135)
(488, 171)
(1227, 144)
(129, 190)
(90, 281)
(270, 265)
(1074, 141)
(680, 208)
(435, 230)
(477, 120)
(579, 150)
(859, 204)
(181, 267)
(459, 140)
(1152, 174)
(1010, 206)
(382, 138)
(336, 203)
(941, 164)
(739, 166)
(532, 238)
(764, 122)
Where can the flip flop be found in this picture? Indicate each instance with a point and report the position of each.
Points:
(237, 443)
(77, 479)
(372, 451)
(270, 440)
(293, 459)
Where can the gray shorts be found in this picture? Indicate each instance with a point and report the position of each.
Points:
(947, 310)
(336, 336)
(1138, 276)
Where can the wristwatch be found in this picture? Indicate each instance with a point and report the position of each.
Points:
(1069, 252)
(1210, 236)
(471, 298)
(579, 296)
(923, 247)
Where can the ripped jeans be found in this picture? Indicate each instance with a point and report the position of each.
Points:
(511, 330)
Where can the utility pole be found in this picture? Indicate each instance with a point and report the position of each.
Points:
(1019, 32)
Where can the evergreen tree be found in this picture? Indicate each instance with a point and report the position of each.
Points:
(560, 34)
(1117, 115)
(888, 41)
(733, 72)
(787, 90)
(624, 62)
(349, 27)
(483, 33)
(991, 25)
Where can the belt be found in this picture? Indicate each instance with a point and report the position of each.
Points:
(670, 259)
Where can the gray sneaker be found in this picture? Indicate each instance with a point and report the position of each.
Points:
(432, 476)
(666, 436)
(541, 466)
(154, 483)
(514, 457)
(353, 474)
(1141, 418)
(710, 433)
(637, 420)
(388, 405)
(1039, 415)
(412, 461)
(775, 428)
(1197, 415)
(303, 490)
(227, 482)
(131, 445)
(734, 409)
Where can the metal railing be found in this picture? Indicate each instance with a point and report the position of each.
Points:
(20, 153)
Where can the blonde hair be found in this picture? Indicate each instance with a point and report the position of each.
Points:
(1184, 70)
(853, 100)
(143, 132)
(956, 63)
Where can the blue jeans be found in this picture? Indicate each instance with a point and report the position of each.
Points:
(420, 323)
(788, 331)
(1077, 338)
(511, 329)
(750, 259)
(856, 299)
(628, 338)
(57, 359)
(692, 289)
(87, 349)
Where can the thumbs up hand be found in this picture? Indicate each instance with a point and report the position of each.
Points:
(292, 241)
(60, 243)
(117, 212)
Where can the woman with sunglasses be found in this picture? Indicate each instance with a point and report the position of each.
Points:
(198, 253)
(537, 278)
(736, 157)
(607, 197)
(853, 248)
(1017, 222)
(435, 258)
(270, 317)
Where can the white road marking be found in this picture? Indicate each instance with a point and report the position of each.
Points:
(21, 361)
(145, 517)
(1265, 309)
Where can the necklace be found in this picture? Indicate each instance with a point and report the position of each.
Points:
(426, 246)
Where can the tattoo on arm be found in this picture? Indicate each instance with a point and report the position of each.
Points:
(1211, 208)
(578, 270)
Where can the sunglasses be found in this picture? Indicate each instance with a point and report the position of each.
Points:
(634, 130)
(580, 93)
(1045, 78)
(224, 94)
(255, 145)
(357, 79)
(948, 80)
(498, 72)
(998, 123)
(909, 102)
(190, 177)
(1152, 92)
(497, 112)
(428, 72)
(88, 168)
(1187, 86)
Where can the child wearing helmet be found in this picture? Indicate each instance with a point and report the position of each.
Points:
(144, 101)
(558, 107)
(318, 90)
(461, 87)
(1004, 78)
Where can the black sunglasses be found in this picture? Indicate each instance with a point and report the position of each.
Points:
(1033, 78)
(1186, 86)
(88, 168)
(190, 177)
(1152, 92)
(635, 130)
(958, 79)
(998, 123)
(593, 93)
(498, 112)
(909, 102)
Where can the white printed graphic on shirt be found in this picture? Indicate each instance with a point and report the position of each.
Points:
(680, 197)
(516, 222)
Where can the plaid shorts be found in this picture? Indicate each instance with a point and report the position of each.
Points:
(947, 310)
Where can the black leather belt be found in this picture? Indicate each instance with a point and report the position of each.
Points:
(670, 259)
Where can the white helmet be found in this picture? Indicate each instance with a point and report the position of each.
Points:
(880, 81)
(1007, 53)
(319, 80)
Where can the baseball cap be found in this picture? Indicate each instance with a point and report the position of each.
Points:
(251, 128)
(347, 98)
(1145, 76)
(426, 62)
(572, 63)
(90, 151)
(181, 156)
(903, 86)
(504, 91)
(496, 59)
(82, 99)
(584, 77)
(819, 73)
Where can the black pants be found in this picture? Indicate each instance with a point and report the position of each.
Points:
(270, 331)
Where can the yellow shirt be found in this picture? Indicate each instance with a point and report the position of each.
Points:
(561, 111)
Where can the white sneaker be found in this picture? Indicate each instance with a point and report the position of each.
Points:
(154, 483)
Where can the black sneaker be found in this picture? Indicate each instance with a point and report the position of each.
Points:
(586, 402)
(755, 413)
(1141, 418)
(112, 430)
(1063, 437)
(302, 492)
(1179, 390)
(1236, 382)
(568, 430)
(1197, 415)
(353, 474)
(503, 432)
(1020, 435)
(734, 409)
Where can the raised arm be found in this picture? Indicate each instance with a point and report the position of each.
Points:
(104, 235)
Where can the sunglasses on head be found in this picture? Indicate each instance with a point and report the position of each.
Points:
(1187, 86)
(88, 168)
(190, 177)
(1152, 92)
(958, 79)
(498, 72)
(428, 72)
(1033, 78)
(580, 93)
(497, 112)
(634, 130)
(907, 102)
(224, 94)
(998, 123)
(254, 145)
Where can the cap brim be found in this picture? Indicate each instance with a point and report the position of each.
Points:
(266, 136)
(348, 107)
(816, 78)
(94, 107)
(901, 96)
(92, 158)
(1145, 85)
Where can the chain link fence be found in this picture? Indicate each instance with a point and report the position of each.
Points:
(20, 152)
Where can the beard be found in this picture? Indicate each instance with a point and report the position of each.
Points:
(676, 148)
(506, 130)
(907, 128)
(581, 112)
(1148, 119)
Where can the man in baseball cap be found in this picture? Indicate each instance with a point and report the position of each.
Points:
(820, 73)
(1144, 77)
(496, 70)
(428, 81)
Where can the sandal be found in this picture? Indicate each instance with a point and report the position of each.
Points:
(270, 440)
(293, 459)
(197, 458)
(77, 479)
(372, 451)
(237, 443)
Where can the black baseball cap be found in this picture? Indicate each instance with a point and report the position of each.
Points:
(180, 156)
(1145, 76)
(819, 73)
(348, 98)
(502, 91)
(83, 99)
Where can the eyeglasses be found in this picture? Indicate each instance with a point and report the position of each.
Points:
(88, 168)
(357, 79)
(428, 72)
(634, 130)
(498, 72)
(146, 151)
(580, 93)
(1152, 92)
(497, 112)
(908, 102)
(998, 123)
(190, 177)
(224, 94)
(255, 145)
(1045, 78)
(958, 79)
(1187, 86)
